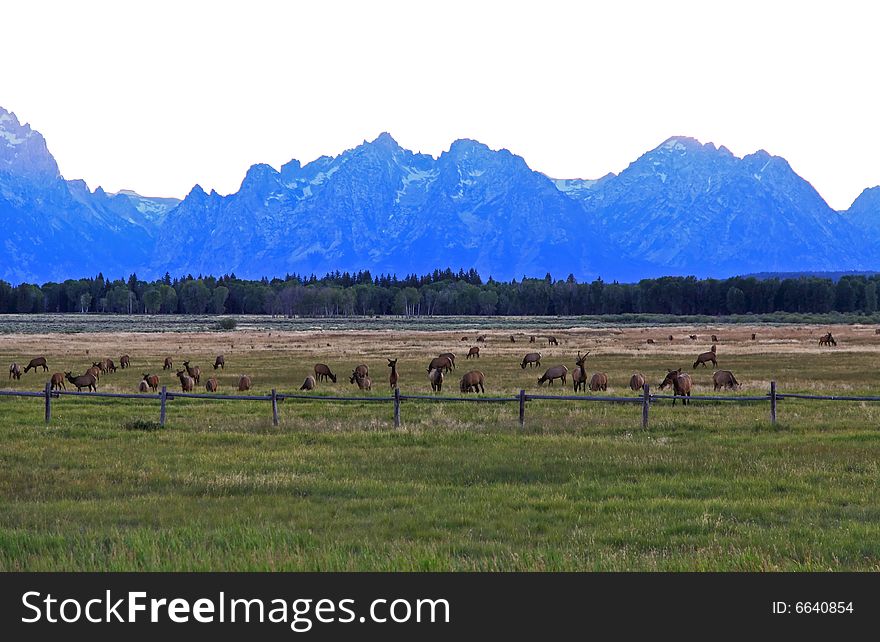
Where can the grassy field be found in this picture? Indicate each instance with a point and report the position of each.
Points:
(459, 486)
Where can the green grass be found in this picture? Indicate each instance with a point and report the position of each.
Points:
(459, 486)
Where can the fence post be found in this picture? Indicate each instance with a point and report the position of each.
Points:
(48, 401)
(274, 407)
(522, 408)
(646, 403)
(773, 402)
(397, 407)
(163, 396)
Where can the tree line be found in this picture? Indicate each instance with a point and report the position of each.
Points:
(444, 292)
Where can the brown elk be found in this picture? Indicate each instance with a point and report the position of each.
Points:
(599, 381)
(703, 357)
(637, 382)
(531, 359)
(363, 381)
(692, 337)
(394, 377)
(876, 330)
(555, 372)
(360, 371)
(579, 375)
(481, 338)
(15, 371)
(193, 371)
(169, 364)
(124, 361)
(472, 382)
(57, 381)
(754, 336)
(142, 386)
(551, 341)
(827, 340)
(308, 384)
(322, 373)
(435, 376)
(443, 363)
(464, 338)
(108, 365)
(152, 381)
(95, 371)
(512, 339)
(82, 381)
(671, 338)
(473, 352)
(212, 384)
(186, 381)
(220, 362)
(681, 384)
(724, 379)
(714, 338)
(650, 341)
(39, 362)
(532, 339)
(244, 383)
(451, 356)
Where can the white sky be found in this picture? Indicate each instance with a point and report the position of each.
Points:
(157, 96)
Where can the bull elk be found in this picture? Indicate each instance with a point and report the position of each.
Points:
(473, 352)
(555, 372)
(308, 384)
(637, 382)
(152, 381)
(579, 375)
(724, 379)
(38, 362)
(681, 385)
(531, 359)
(703, 357)
(57, 381)
(15, 371)
(220, 362)
(472, 382)
(394, 377)
(193, 371)
(82, 381)
(322, 373)
(186, 381)
(124, 361)
(435, 376)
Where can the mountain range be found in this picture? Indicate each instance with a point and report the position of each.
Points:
(682, 208)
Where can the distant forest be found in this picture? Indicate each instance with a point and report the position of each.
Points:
(443, 292)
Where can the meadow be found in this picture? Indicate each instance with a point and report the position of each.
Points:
(335, 486)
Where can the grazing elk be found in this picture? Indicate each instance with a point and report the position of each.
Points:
(473, 352)
(692, 337)
(827, 340)
(244, 383)
(481, 338)
(435, 376)
(57, 381)
(363, 381)
(142, 386)
(39, 362)
(555, 372)
(703, 357)
(169, 364)
(124, 361)
(531, 359)
(681, 384)
(464, 338)
(442, 362)
(82, 381)
(724, 379)
(308, 384)
(551, 341)
(472, 382)
(579, 375)
(152, 381)
(359, 372)
(394, 377)
(15, 371)
(220, 362)
(186, 381)
(637, 382)
(193, 371)
(599, 381)
(322, 373)
(212, 384)
(451, 356)
(108, 365)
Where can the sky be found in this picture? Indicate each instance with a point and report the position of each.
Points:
(158, 96)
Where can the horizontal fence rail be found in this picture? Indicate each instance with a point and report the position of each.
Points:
(646, 398)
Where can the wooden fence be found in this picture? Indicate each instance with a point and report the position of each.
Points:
(396, 399)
